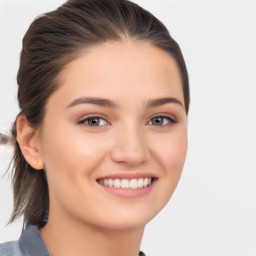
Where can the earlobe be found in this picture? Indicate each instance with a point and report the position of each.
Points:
(29, 142)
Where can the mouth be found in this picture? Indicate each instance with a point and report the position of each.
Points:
(126, 183)
(127, 187)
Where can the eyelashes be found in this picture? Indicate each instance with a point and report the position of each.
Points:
(159, 121)
(94, 121)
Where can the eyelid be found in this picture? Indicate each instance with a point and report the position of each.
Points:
(172, 119)
(84, 118)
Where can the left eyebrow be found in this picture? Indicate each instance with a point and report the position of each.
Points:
(93, 100)
(162, 101)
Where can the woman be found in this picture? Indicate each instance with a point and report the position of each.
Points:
(101, 137)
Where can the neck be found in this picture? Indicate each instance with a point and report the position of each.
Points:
(64, 238)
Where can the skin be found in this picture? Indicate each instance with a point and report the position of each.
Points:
(127, 140)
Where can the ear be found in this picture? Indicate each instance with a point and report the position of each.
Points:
(29, 142)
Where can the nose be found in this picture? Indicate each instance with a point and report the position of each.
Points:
(130, 147)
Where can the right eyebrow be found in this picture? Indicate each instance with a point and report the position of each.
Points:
(93, 100)
(162, 101)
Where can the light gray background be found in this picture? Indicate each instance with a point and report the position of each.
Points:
(213, 211)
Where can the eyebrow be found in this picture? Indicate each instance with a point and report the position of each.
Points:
(93, 100)
(110, 104)
(162, 101)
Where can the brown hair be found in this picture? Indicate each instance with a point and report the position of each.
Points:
(52, 41)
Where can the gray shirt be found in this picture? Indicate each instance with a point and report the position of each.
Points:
(29, 244)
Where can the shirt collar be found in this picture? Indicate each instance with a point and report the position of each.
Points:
(31, 242)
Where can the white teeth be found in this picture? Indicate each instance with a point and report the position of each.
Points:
(117, 183)
(110, 182)
(125, 183)
(145, 182)
(140, 183)
(105, 182)
(133, 184)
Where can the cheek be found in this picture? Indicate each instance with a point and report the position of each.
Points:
(178, 151)
(172, 153)
(70, 159)
(66, 145)
(169, 154)
(68, 156)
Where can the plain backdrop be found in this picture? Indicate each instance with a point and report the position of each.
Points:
(213, 210)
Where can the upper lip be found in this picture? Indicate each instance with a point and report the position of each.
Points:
(129, 176)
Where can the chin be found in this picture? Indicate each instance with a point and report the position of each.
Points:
(129, 219)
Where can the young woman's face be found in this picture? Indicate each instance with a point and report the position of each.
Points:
(116, 124)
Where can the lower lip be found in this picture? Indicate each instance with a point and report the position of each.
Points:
(129, 192)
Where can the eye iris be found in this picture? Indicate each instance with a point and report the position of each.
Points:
(93, 121)
(157, 121)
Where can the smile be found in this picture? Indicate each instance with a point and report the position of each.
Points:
(126, 183)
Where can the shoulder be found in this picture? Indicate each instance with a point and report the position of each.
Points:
(10, 249)
(30, 243)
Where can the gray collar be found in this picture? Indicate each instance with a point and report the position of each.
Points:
(31, 243)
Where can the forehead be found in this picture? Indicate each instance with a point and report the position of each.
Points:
(118, 69)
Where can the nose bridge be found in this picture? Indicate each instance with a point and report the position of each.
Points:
(130, 145)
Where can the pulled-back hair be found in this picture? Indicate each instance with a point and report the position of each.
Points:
(51, 42)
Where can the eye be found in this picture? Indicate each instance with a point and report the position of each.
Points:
(94, 121)
(161, 121)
